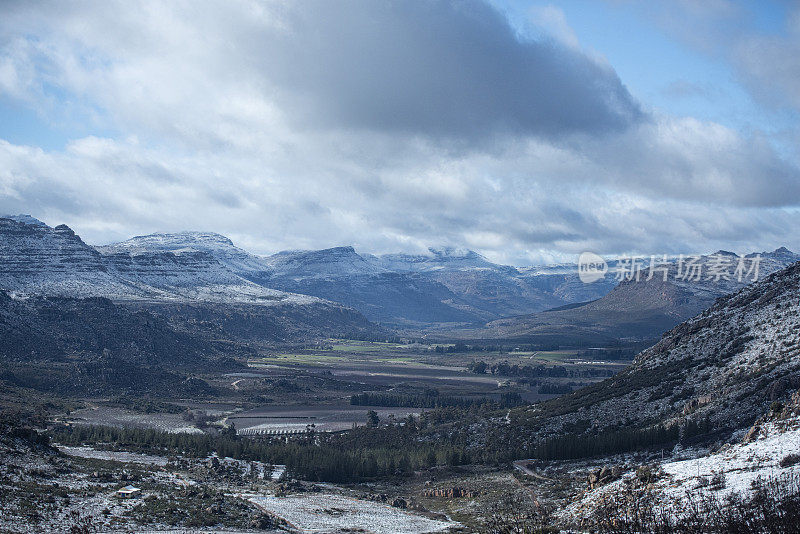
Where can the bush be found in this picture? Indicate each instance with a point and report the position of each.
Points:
(790, 460)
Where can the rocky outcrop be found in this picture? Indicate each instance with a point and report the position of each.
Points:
(602, 476)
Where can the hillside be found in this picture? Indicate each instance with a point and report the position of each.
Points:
(724, 366)
(92, 346)
(719, 486)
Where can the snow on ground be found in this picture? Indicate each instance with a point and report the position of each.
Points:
(316, 513)
(206, 531)
(740, 464)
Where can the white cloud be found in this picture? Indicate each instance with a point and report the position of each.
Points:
(260, 121)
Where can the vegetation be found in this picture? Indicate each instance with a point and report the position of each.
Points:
(548, 388)
(505, 368)
(430, 400)
(361, 454)
(570, 447)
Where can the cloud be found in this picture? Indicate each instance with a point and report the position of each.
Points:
(453, 70)
(766, 60)
(770, 64)
(553, 21)
(386, 125)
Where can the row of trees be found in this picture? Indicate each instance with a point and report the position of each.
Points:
(505, 368)
(570, 447)
(506, 400)
(463, 347)
(358, 455)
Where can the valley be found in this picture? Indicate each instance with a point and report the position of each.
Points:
(170, 363)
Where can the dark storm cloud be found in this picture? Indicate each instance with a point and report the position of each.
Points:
(452, 69)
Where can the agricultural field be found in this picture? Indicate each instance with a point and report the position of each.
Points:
(333, 418)
(286, 389)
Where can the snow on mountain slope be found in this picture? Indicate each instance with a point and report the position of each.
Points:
(24, 218)
(331, 262)
(215, 245)
(436, 259)
(37, 259)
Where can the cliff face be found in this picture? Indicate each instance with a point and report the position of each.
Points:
(36, 259)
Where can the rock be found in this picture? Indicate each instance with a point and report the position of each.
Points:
(752, 434)
(400, 503)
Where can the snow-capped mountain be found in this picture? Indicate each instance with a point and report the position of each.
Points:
(37, 259)
(215, 246)
(448, 258)
(191, 279)
(332, 262)
(442, 286)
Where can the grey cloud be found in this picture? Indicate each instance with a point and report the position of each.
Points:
(451, 69)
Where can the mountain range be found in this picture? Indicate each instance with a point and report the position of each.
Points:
(443, 286)
(190, 287)
(653, 300)
(203, 282)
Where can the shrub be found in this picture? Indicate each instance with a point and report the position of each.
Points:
(790, 460)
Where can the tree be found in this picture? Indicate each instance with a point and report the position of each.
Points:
(229, 431)
(477, 367)
(372, 419)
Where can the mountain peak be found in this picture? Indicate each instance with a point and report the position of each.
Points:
(64, 229)
(24, 219)
(453, 253)
(170, 242)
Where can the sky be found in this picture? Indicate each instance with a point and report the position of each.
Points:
(527, 131)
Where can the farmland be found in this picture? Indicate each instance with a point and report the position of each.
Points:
(286, 389)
